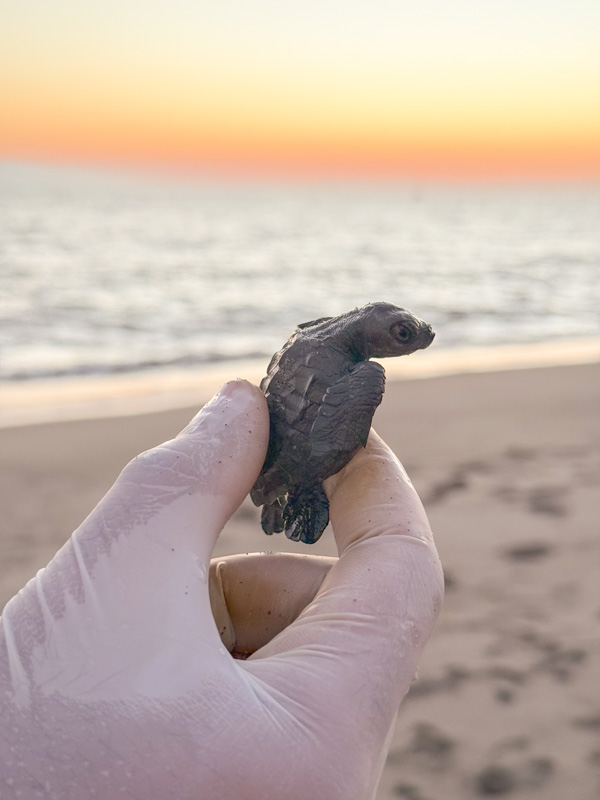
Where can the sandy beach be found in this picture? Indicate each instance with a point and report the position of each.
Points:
(508, 465)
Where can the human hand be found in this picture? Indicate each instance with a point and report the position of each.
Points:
(115, 681)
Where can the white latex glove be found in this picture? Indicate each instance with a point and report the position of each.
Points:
(114, 681)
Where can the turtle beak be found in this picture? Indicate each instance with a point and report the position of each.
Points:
(428, 336)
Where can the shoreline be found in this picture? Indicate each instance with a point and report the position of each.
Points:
(86, 397)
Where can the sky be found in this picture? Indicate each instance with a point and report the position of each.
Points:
(382, 87)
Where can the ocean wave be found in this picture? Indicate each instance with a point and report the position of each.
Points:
(99, 275)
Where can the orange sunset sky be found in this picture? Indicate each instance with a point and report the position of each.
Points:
(385, 87)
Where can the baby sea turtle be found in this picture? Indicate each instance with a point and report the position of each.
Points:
(322, 392)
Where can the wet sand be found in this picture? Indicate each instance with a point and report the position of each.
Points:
(508, 464)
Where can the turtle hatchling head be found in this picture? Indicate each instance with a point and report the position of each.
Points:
(393, 331)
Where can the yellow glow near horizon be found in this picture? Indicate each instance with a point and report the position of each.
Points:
(381, 86)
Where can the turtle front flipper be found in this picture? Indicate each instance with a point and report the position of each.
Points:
(306, 514)
(342, 425)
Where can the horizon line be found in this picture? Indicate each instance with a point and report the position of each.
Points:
(494, 167)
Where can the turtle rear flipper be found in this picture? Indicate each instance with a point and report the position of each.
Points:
(268, 487)
(271, 518)
(306, 514)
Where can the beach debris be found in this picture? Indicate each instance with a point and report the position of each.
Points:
(322, 390)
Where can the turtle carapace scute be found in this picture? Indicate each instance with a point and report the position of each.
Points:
(322, 390)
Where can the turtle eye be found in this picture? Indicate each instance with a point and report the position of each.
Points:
(403, 333)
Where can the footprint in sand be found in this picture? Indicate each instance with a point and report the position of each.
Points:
(528, 552)
(453, 677)
(589, 723)
(455, 482)
(495, 779)
(499, 779)
(542, 480)
(430, 748)
(550, 500)
(408, 791)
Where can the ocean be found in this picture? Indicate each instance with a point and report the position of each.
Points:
(104, 272)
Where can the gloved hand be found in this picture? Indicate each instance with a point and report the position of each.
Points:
(115, 682)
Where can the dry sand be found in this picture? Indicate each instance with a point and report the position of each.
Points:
(507, 701)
